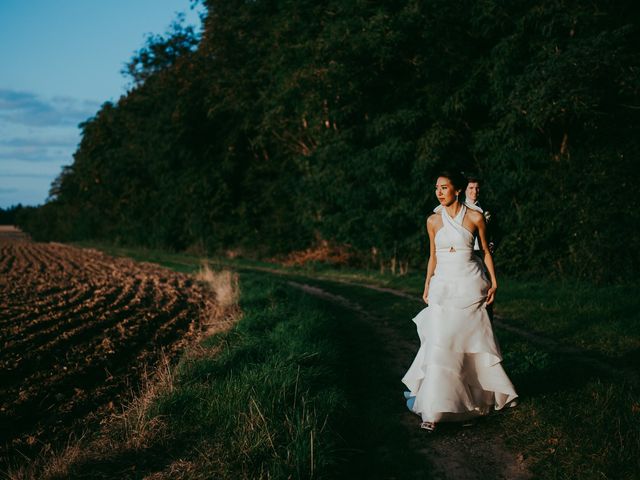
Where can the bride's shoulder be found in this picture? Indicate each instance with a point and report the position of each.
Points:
(475, 216)
(434, 220)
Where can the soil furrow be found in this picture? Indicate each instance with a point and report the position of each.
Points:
(64, 326)
(77, 329)
(50, 309)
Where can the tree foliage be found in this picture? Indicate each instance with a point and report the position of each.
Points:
(288, 121)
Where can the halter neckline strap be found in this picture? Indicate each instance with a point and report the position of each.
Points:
(454, 223)
(458, 217)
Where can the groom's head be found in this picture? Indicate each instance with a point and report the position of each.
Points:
(472, 193)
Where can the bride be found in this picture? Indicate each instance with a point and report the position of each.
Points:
(457, 372)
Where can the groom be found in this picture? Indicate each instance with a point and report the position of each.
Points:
(472, 196)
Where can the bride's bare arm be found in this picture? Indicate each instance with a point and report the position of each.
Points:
(488, 259)
(431, 265)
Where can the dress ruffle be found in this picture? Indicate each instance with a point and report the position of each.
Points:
(457, 372)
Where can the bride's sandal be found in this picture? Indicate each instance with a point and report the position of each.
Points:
(428, 426)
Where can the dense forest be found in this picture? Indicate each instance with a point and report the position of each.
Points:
(288, 123)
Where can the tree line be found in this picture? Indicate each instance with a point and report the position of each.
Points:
(285, 123)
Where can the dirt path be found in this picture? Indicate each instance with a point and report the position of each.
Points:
(459, 454)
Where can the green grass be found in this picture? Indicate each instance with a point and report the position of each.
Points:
(603, 320)
(572, 422)
(270, 402)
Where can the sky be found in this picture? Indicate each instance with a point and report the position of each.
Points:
(59, 61)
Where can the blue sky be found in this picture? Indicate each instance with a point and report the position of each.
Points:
(59, 61)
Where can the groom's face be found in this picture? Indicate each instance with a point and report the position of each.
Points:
(473, 191)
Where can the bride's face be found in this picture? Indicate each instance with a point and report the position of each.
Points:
(445, 192)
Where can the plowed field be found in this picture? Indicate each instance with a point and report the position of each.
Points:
(77, 330)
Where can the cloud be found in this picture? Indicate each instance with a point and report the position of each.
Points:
(19, 142)
(25, 175)
(37, 138)
(41, 153)
(27, 108)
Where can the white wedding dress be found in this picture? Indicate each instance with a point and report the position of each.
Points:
(457, 372)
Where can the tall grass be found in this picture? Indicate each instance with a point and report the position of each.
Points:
(268, 404)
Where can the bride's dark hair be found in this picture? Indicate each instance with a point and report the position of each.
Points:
(457, 179)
